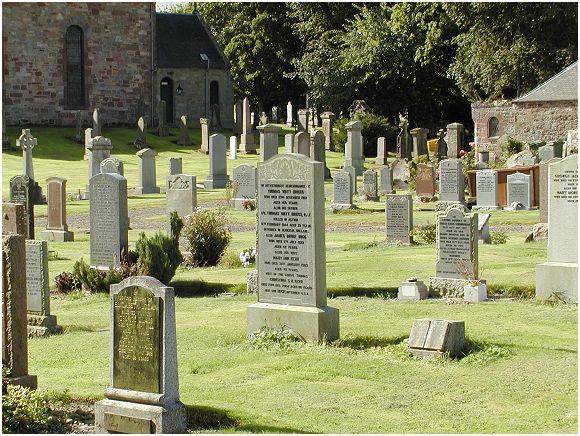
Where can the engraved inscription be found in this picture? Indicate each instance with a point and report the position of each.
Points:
(179, 183)
(342, 190)
(454, 246)
(127, 424)
(245, 185)
(54, 206)
(34, 281)
(398, 226)
(105, 245)
(566, 184)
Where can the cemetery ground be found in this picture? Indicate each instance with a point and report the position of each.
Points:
(519, 374)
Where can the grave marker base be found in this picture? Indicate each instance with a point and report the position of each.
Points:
(558, 277)
(445, 287)
(140, 190)
(42, 326)
(486, 208)
(27, 381)
(216, 183)
(314, 324)
(57, 235)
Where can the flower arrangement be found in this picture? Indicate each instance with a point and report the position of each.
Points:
(248, 204)
(248, 257)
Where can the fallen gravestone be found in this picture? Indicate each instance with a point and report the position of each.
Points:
(436, 338)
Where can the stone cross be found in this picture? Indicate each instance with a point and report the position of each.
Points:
(27, 142)
(184, 138)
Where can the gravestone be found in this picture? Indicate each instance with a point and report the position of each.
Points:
(217, 176)
(457, 244)
(370, 185)
(56, 227)
(543, 189)
(14, 319)
(88, 138)
(545, 153)
(238, 118)
(215, 116)
(454, 139)
(560, 273)
(451, 181)
(483, 228)
(353, 149)
(162, 129)
(244, 177)
(327, 128)
(27, 142)
(419, 141)
(412, 289)
(99, 149)
(386, 182)
(112, 165)
(21, 192)
(302, 143)
(381, 151)
(184, 138)
(233, 147)
(40, 321)
(181, 197)
(263, 118)
(401, 174)
(302, 120)
(342, 191)
(247, 145)
(441, 149)
(109, 221)
(312, 119)
(13, 219)
(268, 141)
(204, 147)
(399, 219)
(292, 258)
(404, 141)
(175, 165)
(97, 123)
(486, 189)
(288, 143)
(141, 139)
(522, 159)
(425, 181)
(147, 172)
(353, 181)
(436, 338)
(143, 396)
(289, 121)
(274, 115)
(78, 127)
(519, 190)
(317, 150)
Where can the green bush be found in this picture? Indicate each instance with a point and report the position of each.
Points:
(208, 236)
(26, 411)
(374, 126)
(413, 169)
(159, 255)
(339, 134)
(498, 237)
(67, 282)
(94, 280)
(424, 235)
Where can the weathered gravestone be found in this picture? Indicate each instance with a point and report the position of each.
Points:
(97, 123)
(370, 185)
(162, 128)
(451, 184)
(353, 149)
(543, 189)
(412, 289)
(342, 191)
(386, 181)
(302, 143)
(181, 197)
(545, 153)
(275, 114)
(147, 172)
(327, 128)
(302, 120)
(401, 174)
(217, 176)
(353, 180)
(14, 320)
(56, 227)
(78, 127)
(40, 321)
(425, 181)
(247, 138)
(317, 150)
(419, 141)
(404, 141)
(141, 139)
(454, 139)
(289, 114)
(436, 337)
(522, 159)
(519, 191)
(109, 222)
(381, 151)
(184, 138)
(21, 192)
(288, 143)
(27, 142)
(233, 147)
(483, 228)
(441, 149)
(175, 165)
(13, 219)
(238, 118)
(143, 396)
(88, 137)
(268, 141)
(291, 247)
(244, 177)
(559, 274)
(457, 253)
(112, 165)
(204, 147)
(486, 189)
(399, 218)
(99, 149)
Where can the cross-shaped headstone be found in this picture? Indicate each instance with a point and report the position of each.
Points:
(27, 142)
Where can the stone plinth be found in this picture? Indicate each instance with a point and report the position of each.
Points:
(412, 290)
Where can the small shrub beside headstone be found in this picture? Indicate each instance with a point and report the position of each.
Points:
(208, 236)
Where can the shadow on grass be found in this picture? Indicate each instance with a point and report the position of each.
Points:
(366, 342)
(78, 328)
(200, 288)
(387, 292)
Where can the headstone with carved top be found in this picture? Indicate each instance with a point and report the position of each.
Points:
(56, 227)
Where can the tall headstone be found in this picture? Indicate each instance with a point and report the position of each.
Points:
(109, 222)
(454, 139)
(352, 171)
(327, 128)
(217, 176)
(559, 275)
(288, 143)
(14, 319)
(204, 147)
(141, 139)
(97, 123)
(268, 141)
(184, 138)
(245, 184)
(419, 141)
(162, 129)
(543, 189)
(40, 321)
(441, 149)
(486, 189)
(425, 181)
(353, 150)
(175, 165)
(112, 165)
(401, 174)
(302, 143)
(13, 219)
(386, 181)
(27, 142)
(519, 190)
(342, 191)
(317, 150)
(181, 196)
(381, 151)
(100, 149)
(545, 153)
(247, 145)
(21, 192)
(143, 396)
(88, 138)
(78, 127)
(56, 227)
(370, 185)
(291, 246)
(147, 172)
(404, 141)
(275, 114)
(451, 181)
(399, 218)
(233, 147)
(303, 120)
(289, 120)
(238, 117)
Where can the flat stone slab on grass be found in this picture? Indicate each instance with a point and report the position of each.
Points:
(435, 337)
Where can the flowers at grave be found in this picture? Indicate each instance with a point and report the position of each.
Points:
(248, 257)
(248, 204)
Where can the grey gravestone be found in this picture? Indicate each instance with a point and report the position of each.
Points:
(13, 219)
(486, 189)
(181, 197)
(238, 117)
(141, 139)
(244, 177)
(268, 141)
(147, 172)
(350, 169)
(274, 115)
(184, 138)
(342, 190)
(483, 228)
(404, 141)
(545, 153)
(162, 129)
(521, 159)
(419, 141)
(233, 147)
(399, 218)
(88, 137)
(175, 165)
(425, 181)
(381, 151)
(40, 321)
(99, 149)
(436, 338)
(78, 127)
(370, 185)
(14, 319)
(204, 147)
(56, 227)
(560, 273)
(412, 289)
(247, 138)
(109, 221)
(317, 150)
(21, 192)
(288, 143)
(217, 176)
(519, 190)
(401, 174)
(327, 128)
(27, 142)
(302, 120)
(143, 396)
(112, 165)
(302, 143)
(543, 188)
(454, 139)
(451, 181)
(441, 149)
(97, 123)
(386, 181)
(289, 114)
(291, 247)
(353, 149)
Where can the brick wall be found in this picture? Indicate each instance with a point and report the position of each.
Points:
(117, 61)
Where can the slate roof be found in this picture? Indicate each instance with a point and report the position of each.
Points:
(180, 40)
(562, 87)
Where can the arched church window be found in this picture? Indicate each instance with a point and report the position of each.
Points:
(74, 67)
(492, 127)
